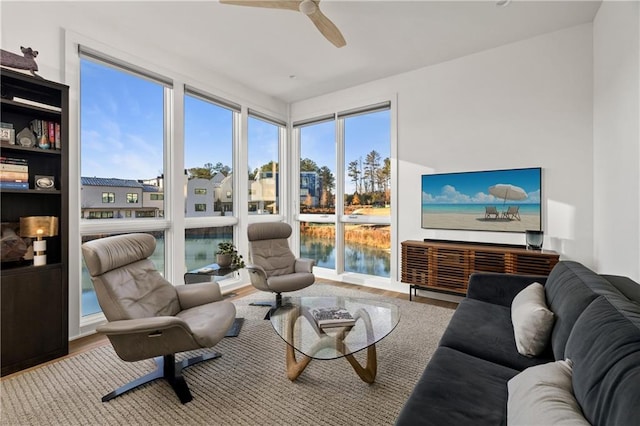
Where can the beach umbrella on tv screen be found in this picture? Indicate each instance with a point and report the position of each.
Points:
(506, 192)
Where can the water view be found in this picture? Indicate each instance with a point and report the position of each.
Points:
(358, 258)
(201, 245)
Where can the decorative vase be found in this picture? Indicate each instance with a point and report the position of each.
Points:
(223, 260)
(534, 239)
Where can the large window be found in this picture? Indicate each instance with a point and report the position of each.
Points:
(264, 136)
(208, 154)
(318, 191)
(210, 137)
(367, 192)
(354, 236)
(123, 116)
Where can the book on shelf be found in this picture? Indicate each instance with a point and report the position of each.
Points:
(11, 160)
(14, 185)
(334, 316)
(57, 142)
(11, 176)
(9, 167)
(46, 132)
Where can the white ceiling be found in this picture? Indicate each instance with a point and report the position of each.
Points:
(260, 48)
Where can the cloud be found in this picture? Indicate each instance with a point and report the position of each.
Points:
(533, 197)
(448, 195)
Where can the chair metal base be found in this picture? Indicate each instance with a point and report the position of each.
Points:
(273, 305)
(169, 369)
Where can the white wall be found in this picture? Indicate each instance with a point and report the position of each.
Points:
(525, 104)
(616, 44)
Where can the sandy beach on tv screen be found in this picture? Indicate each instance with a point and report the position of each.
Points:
(477, 222)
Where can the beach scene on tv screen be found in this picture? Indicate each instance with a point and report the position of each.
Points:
(495, 200)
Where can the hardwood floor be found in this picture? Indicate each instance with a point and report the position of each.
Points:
(93, 341)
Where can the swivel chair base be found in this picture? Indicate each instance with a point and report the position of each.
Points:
(273, 305)
(169, 369)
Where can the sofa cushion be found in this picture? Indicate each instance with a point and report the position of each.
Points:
(570, 288)
(605, 349)
(532, 320)
(485, 330)
(543, 395)
(625, 285)
(458, 389)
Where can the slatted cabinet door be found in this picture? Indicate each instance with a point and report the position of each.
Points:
(445, 266)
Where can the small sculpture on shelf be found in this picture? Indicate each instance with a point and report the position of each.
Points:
(25, 62)
(26, 138)
(228, 257)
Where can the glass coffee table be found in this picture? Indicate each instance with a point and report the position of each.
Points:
(296, 326)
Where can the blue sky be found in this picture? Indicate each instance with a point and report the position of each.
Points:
(363, 133)
(473, 187)
(122, 130)
(121, 124)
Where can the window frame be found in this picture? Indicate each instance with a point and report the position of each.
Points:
(339, 219)
(129, 223)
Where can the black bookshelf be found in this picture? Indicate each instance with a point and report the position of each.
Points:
(34, 299)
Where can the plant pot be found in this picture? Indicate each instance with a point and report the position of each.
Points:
(223, 260)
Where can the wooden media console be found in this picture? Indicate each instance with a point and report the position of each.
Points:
(445, 266)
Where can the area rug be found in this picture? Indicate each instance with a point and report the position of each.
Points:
(246, 386)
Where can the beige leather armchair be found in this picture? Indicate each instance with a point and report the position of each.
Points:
(272, 266)
(147, 316)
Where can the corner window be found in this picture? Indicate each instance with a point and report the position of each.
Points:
(354, 217)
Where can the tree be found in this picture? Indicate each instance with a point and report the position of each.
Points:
(308, 202)
(354, 171)
(308, 165)
(221, 168)
(325, 198)
(327, 183)
(355, 201)
(384, 178)
(205, 172)
(371, 167)
(271, 166)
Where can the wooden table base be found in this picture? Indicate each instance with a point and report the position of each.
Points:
(295, 367)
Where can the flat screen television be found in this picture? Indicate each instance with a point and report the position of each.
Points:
(492, 200)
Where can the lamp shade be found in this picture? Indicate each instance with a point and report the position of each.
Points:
(38, 226)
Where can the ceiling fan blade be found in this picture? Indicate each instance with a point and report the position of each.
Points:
(271, 4)
(327, 28)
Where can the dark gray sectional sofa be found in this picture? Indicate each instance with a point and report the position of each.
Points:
(597, 326)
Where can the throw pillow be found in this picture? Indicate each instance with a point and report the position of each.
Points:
(543, 395)
(532, 320)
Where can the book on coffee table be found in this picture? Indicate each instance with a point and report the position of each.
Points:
(327, 317)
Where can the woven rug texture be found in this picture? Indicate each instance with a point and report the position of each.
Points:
(246, 386)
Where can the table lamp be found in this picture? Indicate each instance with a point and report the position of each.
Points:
(39, 227)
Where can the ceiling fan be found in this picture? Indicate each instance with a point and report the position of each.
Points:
(311, 8)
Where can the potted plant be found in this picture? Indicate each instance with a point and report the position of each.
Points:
(227, 256)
